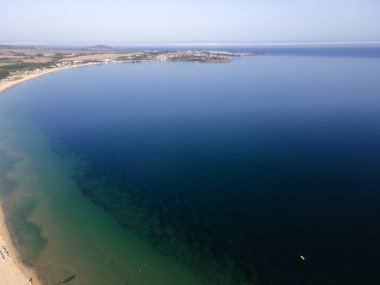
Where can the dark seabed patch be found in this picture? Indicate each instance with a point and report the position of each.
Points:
(263, 170)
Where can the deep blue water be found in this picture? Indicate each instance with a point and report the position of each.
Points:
(251, 163)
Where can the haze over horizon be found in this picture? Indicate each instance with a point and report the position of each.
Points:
(119, 22)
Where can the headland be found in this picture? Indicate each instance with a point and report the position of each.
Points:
(21, 63)
(18, 64)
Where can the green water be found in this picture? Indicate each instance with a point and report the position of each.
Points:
(57, 230)
(230, 170)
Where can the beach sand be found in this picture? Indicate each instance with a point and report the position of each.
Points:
(22, 78)
(134, 253)
(12, 270)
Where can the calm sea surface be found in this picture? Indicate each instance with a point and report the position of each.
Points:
(265, 170)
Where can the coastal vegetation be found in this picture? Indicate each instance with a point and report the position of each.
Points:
(4, 73)
(17, 61)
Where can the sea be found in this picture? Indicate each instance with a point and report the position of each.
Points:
(263, 170)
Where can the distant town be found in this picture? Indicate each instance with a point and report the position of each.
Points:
(17, 62)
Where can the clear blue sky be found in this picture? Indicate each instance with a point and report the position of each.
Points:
(188, 21)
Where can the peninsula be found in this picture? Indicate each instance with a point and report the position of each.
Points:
(20, 63)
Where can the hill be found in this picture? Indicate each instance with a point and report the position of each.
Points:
(99, 47)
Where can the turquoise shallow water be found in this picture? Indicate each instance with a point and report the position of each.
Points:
(57, 229)
(187, 173)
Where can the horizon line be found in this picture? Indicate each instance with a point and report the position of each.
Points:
(201, 44)
(258, 43)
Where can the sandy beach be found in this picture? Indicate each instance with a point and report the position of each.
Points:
(12, 269)
(22, 78)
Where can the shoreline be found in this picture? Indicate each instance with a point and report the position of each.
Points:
(22, 78)
(12, 270)
(183, 56)
(8, 84)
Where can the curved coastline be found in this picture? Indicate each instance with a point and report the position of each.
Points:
(8, 84)
(13, 269)
(17, 270)
(186, 56)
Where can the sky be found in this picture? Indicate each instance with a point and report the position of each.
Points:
(188, 21)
